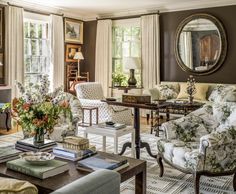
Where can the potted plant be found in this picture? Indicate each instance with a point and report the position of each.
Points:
(118, 79)
(37, 110)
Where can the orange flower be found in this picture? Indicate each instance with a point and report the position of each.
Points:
(26, 106)
(64, 104)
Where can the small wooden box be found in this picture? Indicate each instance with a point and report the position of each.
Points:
(135, 98)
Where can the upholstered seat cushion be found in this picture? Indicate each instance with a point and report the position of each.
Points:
(176, 151)
(13, 186)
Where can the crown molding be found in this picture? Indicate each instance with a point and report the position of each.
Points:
(88, 17)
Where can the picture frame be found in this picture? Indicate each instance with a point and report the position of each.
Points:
(71, 49)
(73, 31)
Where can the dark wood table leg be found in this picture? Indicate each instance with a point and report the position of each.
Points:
(137, 131)
(6, 122)
(140, 182)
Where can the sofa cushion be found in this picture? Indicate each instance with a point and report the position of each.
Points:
(167, 91)
(201, 91)
(223, 93)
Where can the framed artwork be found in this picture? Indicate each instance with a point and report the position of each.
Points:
(71, 49)
(73, 31)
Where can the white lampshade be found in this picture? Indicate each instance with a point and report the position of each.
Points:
(78, 55)
(132, 63)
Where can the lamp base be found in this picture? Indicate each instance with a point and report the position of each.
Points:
(132, 81)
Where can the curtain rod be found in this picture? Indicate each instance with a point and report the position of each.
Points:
(35, 11)
(128, 17)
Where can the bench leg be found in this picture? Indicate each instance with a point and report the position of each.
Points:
(104, 143)
(115, 145)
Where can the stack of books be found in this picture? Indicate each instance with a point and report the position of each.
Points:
(114, 126)
(8, 153)
(101, 162)
(73, 155)
(53, 168)
(28, 145)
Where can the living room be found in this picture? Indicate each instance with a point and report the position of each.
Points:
(117, 97)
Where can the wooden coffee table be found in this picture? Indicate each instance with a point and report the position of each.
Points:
(137, 169)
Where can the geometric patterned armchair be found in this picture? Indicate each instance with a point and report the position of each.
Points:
(91, 94)
(201, 143)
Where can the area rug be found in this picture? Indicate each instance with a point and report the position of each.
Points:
(173, 181)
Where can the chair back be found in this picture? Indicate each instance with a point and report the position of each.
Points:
(89, 90)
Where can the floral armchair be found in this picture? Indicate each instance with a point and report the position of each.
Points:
(67, 125)
(201, 143)
(91, 94)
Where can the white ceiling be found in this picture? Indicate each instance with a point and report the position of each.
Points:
(103, 8)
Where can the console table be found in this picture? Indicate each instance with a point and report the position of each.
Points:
(138, 143)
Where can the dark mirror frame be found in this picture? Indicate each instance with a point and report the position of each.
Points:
(223, 47)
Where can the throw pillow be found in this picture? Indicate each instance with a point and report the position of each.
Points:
(12, 186)
(168, 91)
(223, 93)
(154, 93)
(201, 91)
(222, 111)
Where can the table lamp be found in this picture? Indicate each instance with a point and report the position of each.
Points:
(79, 56)
(132, 63)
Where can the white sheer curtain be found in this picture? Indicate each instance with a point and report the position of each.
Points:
(14, 47)
(57, 51)
(150, 50)
(103, 62)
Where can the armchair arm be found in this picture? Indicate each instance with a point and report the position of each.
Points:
(218, 150)
(101, 181)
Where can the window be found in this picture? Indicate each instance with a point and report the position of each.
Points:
(126, 40)
(36, 47)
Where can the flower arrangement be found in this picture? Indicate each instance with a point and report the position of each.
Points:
(37, 110)
(191, 89)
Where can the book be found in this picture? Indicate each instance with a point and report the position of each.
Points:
(54, 167)
(115, 126)
(30, 142)
(8, 153)
(28, 148)
(101, 162)
(73, 153)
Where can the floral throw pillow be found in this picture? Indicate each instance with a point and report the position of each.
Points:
(223, 93)
(168, 91)
(222, 111)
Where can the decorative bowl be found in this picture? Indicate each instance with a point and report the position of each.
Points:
(37, 158)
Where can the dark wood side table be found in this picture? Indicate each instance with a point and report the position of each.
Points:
(138, 143)
(136, 168)
(7, 113)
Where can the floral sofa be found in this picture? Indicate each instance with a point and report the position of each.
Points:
(201, 143)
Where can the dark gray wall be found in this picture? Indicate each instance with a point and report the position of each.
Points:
(170, 71)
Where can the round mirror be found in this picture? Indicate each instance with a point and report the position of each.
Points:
(200, 44)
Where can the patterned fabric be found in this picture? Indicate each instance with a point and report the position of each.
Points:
(202, 141)
(168, 91)
(223, 93)
(67, 126)
(105, 112)
(89, 90)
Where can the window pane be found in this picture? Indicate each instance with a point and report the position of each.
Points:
(126, 43)
(37, 50)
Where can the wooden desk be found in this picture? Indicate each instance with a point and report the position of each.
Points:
(137, 169)
(125, 88)
(138, 143)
